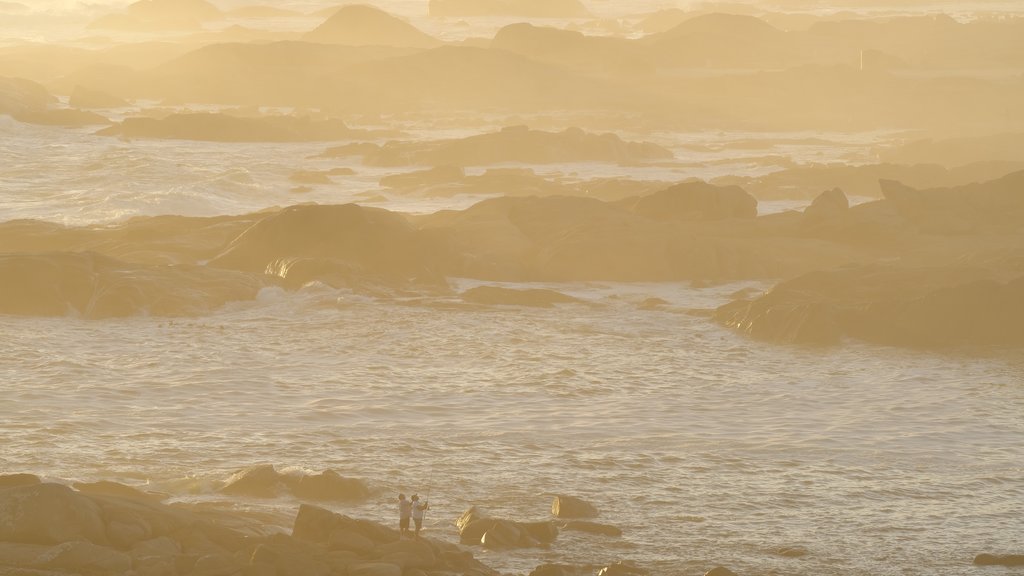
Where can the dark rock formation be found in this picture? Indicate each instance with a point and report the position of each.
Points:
(95, 286)
(537, 297)
(349, 240)
(477, 528)
(265, 482)
(563, 506)
(54, 530)
(999, 560)
(827, 206)
(592, 528)
(521, 145)
(697, 200)
(917, 307)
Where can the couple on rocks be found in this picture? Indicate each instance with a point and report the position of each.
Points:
(410, 509)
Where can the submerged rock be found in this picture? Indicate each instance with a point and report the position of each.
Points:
(999, 560)
(697, 200)
(592, 528)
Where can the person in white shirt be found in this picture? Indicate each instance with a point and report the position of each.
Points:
(418, 508)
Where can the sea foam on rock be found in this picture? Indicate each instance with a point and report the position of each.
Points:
(264, 481)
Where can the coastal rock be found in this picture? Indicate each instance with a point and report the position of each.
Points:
(477, 528)
(563, 506)
(14, 480)
(501, 535)
(360, 24)
(49, 514)
(697, 200)
(592, 528)
(264, 481)
(96, 286)
(380, 244)
(535, 297)
(18, 96)
(828, 205)
(999, 560)
(993, 205)
(329, 485)
(915, 307)
(518, 144)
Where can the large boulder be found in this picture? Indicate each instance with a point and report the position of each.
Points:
(697, 200)
(995, 205)
(49, 514)
(535, 297)
(828, 205)
(96, 286)
(564, 506)
(382, 244)
(932, 307)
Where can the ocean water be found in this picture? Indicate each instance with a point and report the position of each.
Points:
(704, 447)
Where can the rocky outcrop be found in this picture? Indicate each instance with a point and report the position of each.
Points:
(477, 528)
(697, 200)
(518, 144)
(974, 208)
(915, 307)
(91, 285)
(265, 481)
(51, 529)
(535, 297)
(564, 506)
(828, 205)
(360, 25)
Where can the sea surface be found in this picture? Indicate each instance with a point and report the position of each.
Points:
(703, 446)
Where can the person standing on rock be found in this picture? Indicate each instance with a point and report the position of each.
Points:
(418, 508)
(405, 508)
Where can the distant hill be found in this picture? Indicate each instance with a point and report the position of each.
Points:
(361, 25)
